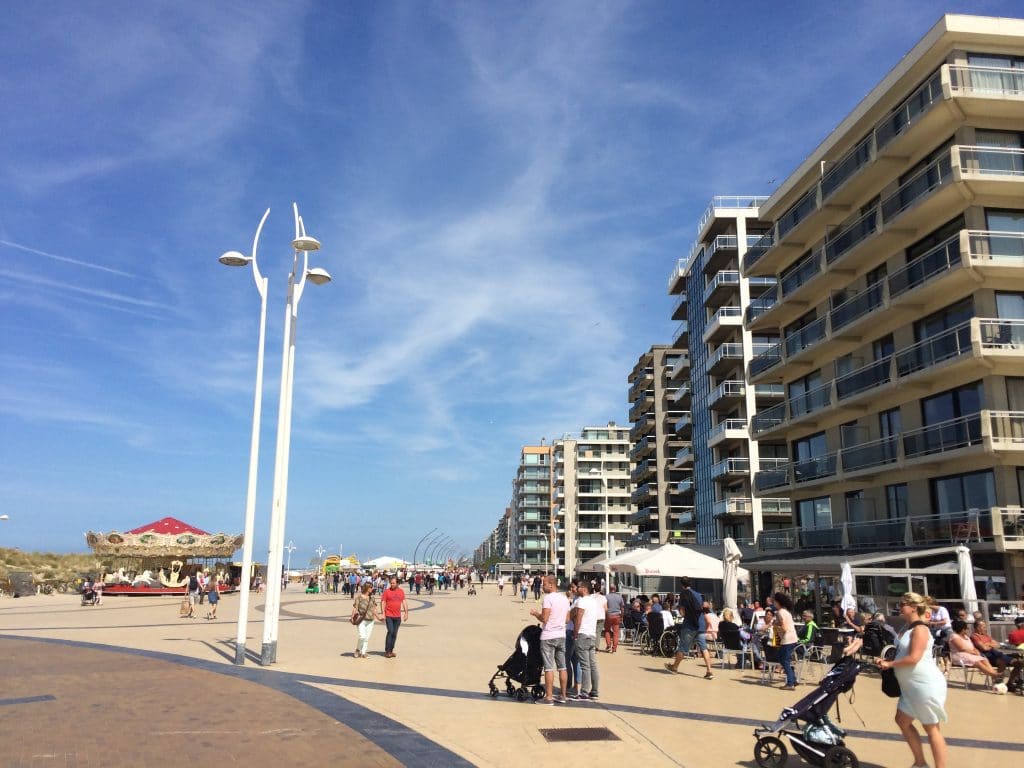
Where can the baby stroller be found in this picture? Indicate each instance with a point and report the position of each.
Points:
(808, 727)
(471, 590)
(89, 596)
(524, 666)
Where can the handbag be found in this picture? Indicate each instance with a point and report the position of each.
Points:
(356, 619)
(890, 685)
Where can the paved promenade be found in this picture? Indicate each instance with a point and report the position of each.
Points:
(128, 683)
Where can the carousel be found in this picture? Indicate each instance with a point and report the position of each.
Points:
(158, 558)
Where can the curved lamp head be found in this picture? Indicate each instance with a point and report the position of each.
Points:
(235, 259)
(306, 243)
(318, 276)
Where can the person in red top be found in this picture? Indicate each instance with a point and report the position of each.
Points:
(395, 610)
(1017, 636)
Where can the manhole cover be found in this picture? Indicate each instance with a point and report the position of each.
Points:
(578, 734)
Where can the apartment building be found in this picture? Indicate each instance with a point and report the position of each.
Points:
(495, 545)
(712, 297)
(662, 494)
(898, 251)
(530, 529)
(591, 495)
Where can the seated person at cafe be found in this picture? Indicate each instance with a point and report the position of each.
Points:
(852, 620)
(962, 651)
(810, 627)
(711, 621)
(728, 626)
(1016, 637)
(988, 647)
(877, 634)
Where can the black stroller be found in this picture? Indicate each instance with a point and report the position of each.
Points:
(808, 727)
(524, 666)
(89, 596)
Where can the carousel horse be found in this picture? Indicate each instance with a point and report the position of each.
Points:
(117, 577)
(145, 579)
(175, 579)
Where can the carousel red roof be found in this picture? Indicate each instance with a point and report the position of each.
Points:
(168, 525)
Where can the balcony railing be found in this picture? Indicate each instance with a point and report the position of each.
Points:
(949, 344)
(848, 165)
(758, 249)
(768, 419)
(729, 424)
(908, 113)
(855, 307)
(805, 337)
(992, 161)
(803, 208)
(723, 278)
(766, 360)
(730, 466)
(1006, 428)
(922, 183)
(728, 201)
(944, 436)
(809, 402)
(728, 351)
(872, 454)
(735, 506)
(976, 80)
(864, 378)
(681, 393)
(939, 259)
(802, 272)
(731, 388)
(842, 240)
(681, 330)
(760, 305)
(1001, 334)
(769, 390)
(677, 272)
(684, 423)
(684, 456)
(996, 246)
(814, 468)
(776, 507)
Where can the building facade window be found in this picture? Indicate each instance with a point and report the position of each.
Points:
(957, 493)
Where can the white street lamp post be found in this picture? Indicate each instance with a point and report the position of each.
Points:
(302, 244)
(291, 548)
(236, 259)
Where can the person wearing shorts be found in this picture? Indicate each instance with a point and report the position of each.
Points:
(552, 616)
(693, 630)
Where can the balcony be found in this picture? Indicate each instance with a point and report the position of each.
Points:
(681, 364)
(645, 515)
(768, 419)
(758, 249)
(643, 426)
(734, 507)
(640, 380)
(857, 306)
(987, 91)
(876, 453)
(759, 306)
(724, 358)
(644, 470)
(684, 426)
(776, 508)
(731, 468)
(728, 430)
(681, 396)
(685, 486)
(765, 361)
(723, 323)
(799, 340)
(643, 403)
(726, 395)
(721, 288)
(955, 342)
(815, 468)
(944, 436)
(677, 282)
(681, 334)
(643, 448)
(683, 457)
(727, 206)
(763, 392)
(809, 402)
(645, 491)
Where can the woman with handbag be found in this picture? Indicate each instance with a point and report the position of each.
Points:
(922, 686)
(364, 614)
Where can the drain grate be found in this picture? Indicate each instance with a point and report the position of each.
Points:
(578, 734)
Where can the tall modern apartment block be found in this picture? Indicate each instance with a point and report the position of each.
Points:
(712, 297)
(662, 494)
(591, 495)
(898, 251)
(531, 521)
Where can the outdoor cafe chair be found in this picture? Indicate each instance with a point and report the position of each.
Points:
(733, 643)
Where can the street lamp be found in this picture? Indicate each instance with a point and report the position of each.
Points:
(291, 548)
(435, 547)
(236, 259)
(431, 544)
(418, 545)
(302, 244)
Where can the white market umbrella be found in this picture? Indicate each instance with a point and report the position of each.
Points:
(965, 570)
(674, 560)
(846, 579)
(730, 572)
(384, 563)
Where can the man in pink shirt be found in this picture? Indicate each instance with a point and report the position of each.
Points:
(554, 610)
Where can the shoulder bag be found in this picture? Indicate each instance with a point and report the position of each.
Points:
(890, 685)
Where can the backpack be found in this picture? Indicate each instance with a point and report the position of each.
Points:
(193, 583)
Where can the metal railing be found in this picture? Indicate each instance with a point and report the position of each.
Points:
(678, 271)
(802, 272)
(973, 79)
(758, 249)
(846, 237)
(858, 305)
(848, 165)
(991, 161)
(810, 401)
(942, 258)
(729, 388)
(986, 245)
(799, 340)
(731, 350)
(814, 468)
(870, 454)
(735, 465)
(949, 344)
(766, 360)
(944, 436)
(760, 305)
(800, 210)
(724, 426)
(728, 201)
(921, 184)
(1001, 333)
(723, 278)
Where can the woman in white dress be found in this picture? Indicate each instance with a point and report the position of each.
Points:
(922, 686)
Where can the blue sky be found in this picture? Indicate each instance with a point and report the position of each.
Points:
(501, 190)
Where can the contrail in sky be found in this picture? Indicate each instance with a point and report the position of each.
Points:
(67, 260)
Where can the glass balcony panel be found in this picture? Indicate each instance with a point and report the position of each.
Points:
(811, 401)
(812, 469)
(871, 298)
(921, 184)
(907, 113)
(938, 260)
(822, 538)
(807, 336)
(944, 436)
(767, 359)
(948, 528)
(842, 240)
(992, 161)
(873, 454)
(803, 208)
(776, 507)
(944, 346)
(785, 538)
(844, 168)
(1007, 427)
(996, 246)
(997, 81)
(771, 478)
(866, 377)
(769, 418)
(804, 271)
(760, 305)
(876, 533)
(769, 390)
(757, 249)
(1001, 334)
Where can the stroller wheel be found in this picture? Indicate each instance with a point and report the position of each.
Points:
(770, 752)
(840, 757)
(538, 692)
(668, 642)
(522, 694)
(494, 693)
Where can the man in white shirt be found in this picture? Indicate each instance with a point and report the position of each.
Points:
(552, 616)
(941, 624)
(588, 609)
